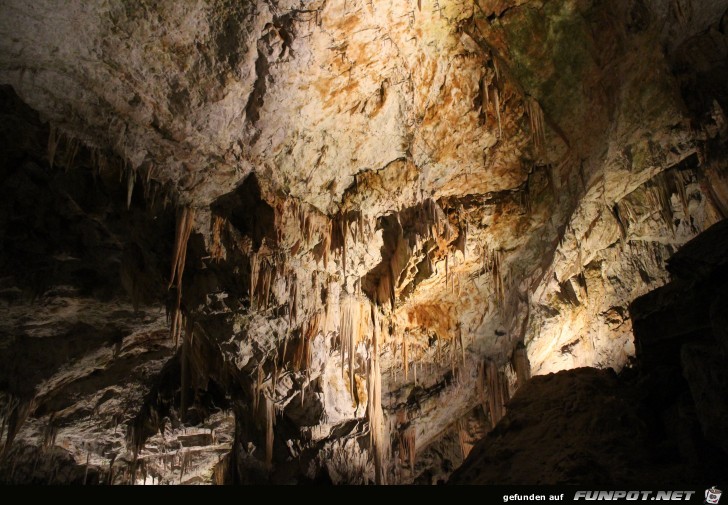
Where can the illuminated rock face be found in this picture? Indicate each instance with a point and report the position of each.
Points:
(369, 222)
(664, 420)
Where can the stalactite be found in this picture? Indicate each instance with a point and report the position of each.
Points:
(258, 387)
(254, 273)
(493, 263)
(185, 367)
(622, 227)
(496, 387)
(462, 343)
(344, 228)
(326, 243)
(360, 226)
(408, 446)
(16, 413)
(71, 152)
(185, 221)
(447, 269)
(354, 326)
(85, 473)
(535, 114)
(405, 356)
(484, 98)
(53, 139)
(217, 250)
(377, 429)
(302, 358)
(267, 278)
(520, 364)
(385, 288)
(331, 301)
(461, 439)
(270, 419)
(130, 186)
(497, 112)
(682, 193)
(660, 198)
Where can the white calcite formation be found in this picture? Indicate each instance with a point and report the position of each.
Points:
(389, 215)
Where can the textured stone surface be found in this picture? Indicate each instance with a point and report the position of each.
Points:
(419, 187)
(663, 420)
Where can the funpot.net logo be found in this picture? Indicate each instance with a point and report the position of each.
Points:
(712, 496)
(634, 495)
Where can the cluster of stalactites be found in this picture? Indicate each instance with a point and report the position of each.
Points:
(378, 432)
(430, 231)
(185, 223)
(492, 390)
(301, 228)
(355, 327)
(490, 95)
(493, 265)
(101, 162)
